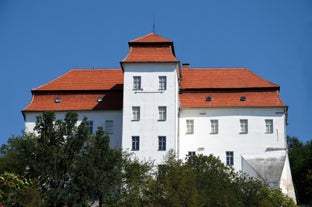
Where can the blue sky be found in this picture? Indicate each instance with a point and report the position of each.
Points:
(42, 39)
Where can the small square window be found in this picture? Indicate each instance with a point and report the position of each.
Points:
(135, 143)
(162, 143)
(214, 126)
(229, 158)
(189, 126)
(269, 126)
(243, 126)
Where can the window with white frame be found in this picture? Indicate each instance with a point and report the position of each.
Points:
(136, 82)
(243, 126)
(229, 158)
(214, 126)
(162, 111)
(269, 126)
(162, 143)
(189, 126)
(162, 82)
(109, 126)
(89, 125)
(135, 113)
(135, 143)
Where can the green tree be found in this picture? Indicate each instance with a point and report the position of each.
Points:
(300, 158)
(135, 180)
(205, 181)
(11, 186)
(175, 185)
(98, 170)
(47, 156)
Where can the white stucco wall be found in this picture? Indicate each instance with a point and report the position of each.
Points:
(98, 118)
(229, 137)
(148, 128)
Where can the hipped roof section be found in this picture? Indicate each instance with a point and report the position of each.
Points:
(86, 80)
(222, 78)
(150, 48)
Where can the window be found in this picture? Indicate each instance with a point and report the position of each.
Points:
(269, 126)
(57, 100)
(162, 82)
(135, 143)
(229, 158)
(243, 126)
(135, 113)
(89, 125)
(189, 126)
(136, 82)
(243, 98)
(191, 153)
(109, 126)
(162, 110)
(208, 98)
(214, 126)
(162, 143)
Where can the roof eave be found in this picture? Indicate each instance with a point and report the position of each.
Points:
(135, 62)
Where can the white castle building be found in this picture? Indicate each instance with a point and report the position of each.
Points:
(152, 105)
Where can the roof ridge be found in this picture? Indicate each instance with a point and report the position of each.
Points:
(214, 68)
(151, 38)
(93, 69)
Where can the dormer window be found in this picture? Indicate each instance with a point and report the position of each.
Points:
(57, 100)
(208, 99)
(243, 98)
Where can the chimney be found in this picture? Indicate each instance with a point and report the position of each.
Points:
(185, 65)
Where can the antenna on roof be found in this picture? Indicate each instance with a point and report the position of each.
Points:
(154, 22)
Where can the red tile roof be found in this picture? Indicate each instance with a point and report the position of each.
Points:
(150, 54)
(150, 48)
(201, 78)
(79, 89)
(227, 98)
(74, 101)
(91, 79)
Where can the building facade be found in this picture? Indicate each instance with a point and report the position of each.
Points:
(152, 105)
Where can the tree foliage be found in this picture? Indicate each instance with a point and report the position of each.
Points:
(206, 181)
(300, 158)
(10, 184)
(69, 166)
